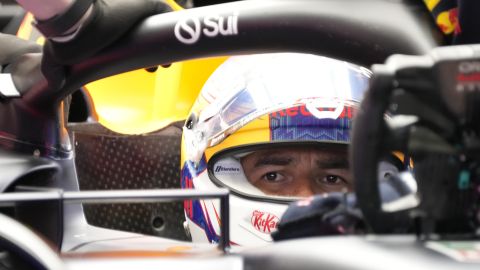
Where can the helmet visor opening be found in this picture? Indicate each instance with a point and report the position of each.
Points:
(287, 171)
(283, 171)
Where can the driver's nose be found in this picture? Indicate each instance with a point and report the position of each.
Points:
(303, 177)
(304, 191)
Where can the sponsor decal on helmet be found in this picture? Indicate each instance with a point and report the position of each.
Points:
(189, 30)
(298, 123)
(304, 111)
(264, 222)
(225, 169)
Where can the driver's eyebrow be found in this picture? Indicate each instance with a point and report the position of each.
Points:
(333, 163)
(272, 160)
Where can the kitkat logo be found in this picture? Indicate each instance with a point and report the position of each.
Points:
(264, 222)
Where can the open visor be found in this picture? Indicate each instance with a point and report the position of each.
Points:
(282, 171)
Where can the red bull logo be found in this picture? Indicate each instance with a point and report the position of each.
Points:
(264, 222)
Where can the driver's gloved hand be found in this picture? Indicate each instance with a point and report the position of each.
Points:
(320, 215)
(12, 48)
(109, 20)
(18, 58)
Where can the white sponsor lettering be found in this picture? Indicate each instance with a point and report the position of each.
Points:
(190, 30)
(313, 106)
(469, 67)
(467, 87)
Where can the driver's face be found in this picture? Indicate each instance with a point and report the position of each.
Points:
(298, 172)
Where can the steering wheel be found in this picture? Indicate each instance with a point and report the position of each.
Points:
(433, 119)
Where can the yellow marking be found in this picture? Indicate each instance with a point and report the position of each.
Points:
(257, 131)
(40, 40)
(174, 5)
(179, 249)
(26, 28)
(444, 22)
(431, 4)
(139, 102)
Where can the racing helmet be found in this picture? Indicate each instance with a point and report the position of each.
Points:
(266, 109)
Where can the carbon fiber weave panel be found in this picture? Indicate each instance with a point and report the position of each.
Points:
(106, 160)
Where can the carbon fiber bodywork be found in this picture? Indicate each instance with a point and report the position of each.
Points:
(106, 160)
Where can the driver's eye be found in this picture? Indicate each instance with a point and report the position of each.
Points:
(272, 177)
(332, 180)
